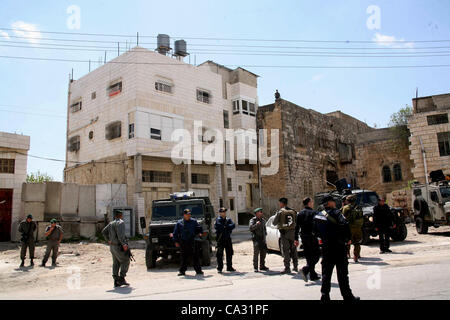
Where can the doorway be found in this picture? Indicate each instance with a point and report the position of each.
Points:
(6, 196)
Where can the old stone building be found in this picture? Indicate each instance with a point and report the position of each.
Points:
(382, 161)
(430, 135)
(315, 150)
(121, 117)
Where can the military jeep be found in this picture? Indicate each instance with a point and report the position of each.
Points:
(367, 200)
(431, 205)
(165, 214)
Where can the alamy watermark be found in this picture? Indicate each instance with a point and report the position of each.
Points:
(74, 19)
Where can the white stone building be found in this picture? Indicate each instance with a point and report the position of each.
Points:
(121, 117)
(13, 172)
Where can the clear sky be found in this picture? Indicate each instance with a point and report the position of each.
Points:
(33, 93)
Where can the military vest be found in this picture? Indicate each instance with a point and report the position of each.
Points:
(287, 219)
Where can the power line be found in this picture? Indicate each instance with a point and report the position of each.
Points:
(231, 65)
(230, 39)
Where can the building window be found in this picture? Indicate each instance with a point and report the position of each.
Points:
(252, 109)
(91, 135)
(155, 134)
(199, 178)
(7, 165)
(75, 106)
(437, 119)
(332, 176)
(444, 143)
(236, 107)
(113, 130)
(202, 136)
(93, 95)
(74, 144)
(300, 137)
(157, 176)
(131, 131)
(240, 188)
(115, 89)
(386, 171)
(229, 184)
(164, 87)
(182, 178)
(226, 119)
(220, 203)
(397, 172)
(244, 107)
(231, 204)
(203, 96)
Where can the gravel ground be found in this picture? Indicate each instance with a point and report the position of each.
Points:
(93, 260)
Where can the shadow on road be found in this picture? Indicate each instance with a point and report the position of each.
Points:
(121, 290)
(372, 261)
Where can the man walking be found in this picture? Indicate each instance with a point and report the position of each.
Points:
(285, 222)
(354, 215)
(114, 233)
(331, 226)
(224, 227)
(311, 249)
(383, 221)
(54, 234)
(184, 234)
(27, 228)
(258, 229)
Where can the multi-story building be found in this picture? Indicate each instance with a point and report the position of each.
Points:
(13, 173)
(430, 135)
(121, 117)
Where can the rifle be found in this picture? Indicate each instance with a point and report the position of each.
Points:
(128, 253)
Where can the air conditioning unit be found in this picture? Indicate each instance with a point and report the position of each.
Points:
(113, 130)
(74, 144)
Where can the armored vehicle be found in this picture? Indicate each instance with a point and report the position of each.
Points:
(165, 214)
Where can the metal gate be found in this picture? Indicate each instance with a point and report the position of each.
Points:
(6, 196)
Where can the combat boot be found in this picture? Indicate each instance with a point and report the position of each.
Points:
(122, 281)
(286, 271)
(22, 264)
(43, 264)
(325, 297)
(31, 263)
(116, 281)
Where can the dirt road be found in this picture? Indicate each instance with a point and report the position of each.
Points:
(90, 263)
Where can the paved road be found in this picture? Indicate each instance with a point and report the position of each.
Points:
(418, 272)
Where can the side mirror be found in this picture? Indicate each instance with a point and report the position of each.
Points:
(143, 222)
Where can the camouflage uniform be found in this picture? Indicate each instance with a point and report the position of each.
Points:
(52, 244)
(353, 214)
(27, 230)
(285, 222)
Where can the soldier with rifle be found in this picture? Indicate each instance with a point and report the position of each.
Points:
(27, 228)
(54, 234)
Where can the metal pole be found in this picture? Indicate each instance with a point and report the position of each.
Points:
(424, 166)
(104, 61)
(118, 50)
(137, 38)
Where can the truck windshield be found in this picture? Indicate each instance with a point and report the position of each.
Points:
(445, 192)
(196, 209)
(367, 199)
(164, 213)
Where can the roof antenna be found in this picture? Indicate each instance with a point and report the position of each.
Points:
(137, 38)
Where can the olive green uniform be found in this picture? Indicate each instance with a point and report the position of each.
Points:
(52, 243)
(259, 233)
(27, 240)
(114, 232)
(354, 216)
(285, 221)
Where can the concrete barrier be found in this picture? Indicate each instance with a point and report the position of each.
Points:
(69, 199)
(36, 209)
(86, 203)
(53, 198)
(33, 192)
(88, 230)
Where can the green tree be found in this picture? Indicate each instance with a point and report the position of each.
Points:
(38, 177)
(399, 126)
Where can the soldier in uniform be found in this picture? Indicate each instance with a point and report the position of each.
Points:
(354, 215)
(27, 228)
(258, 229)
(285, 222)
(224, 227)
(114, 233)
(54, 234)
(184, 234)
(311, 249)
(330, 225)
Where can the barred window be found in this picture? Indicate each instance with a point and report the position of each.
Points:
(200, 178)
(74, 107)
(74, 144)
(164, 87)
(437, 119)
(226, 119)
(203, 96)
(252, 109)
(386, 171)
(7, 165)
(115, 89)
(397, 172)
(229, 184)
(156, 176)
(131, 131)
(444, 143)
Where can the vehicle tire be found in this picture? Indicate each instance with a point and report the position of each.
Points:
(400, 232)
(206, 253)
(421, 226)
(150, 258)
(420, 207)
(365, 238)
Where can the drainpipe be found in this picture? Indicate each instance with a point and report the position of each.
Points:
(424, 166)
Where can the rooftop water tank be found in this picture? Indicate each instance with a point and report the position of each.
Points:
(163, 43)
(181, 48)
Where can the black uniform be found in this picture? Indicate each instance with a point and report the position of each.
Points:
(383, 221)
(224, 228)
(185, 233)
(311, 249)
(331, 226)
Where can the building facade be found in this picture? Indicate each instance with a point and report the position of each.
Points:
(121, 117)
(430, 133)
(13, 173)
